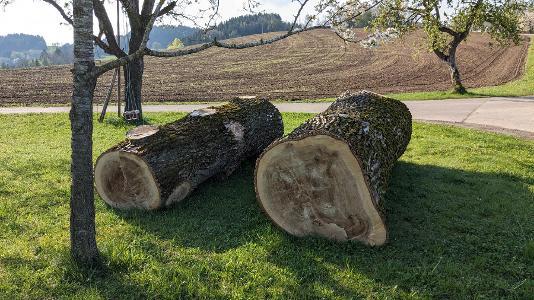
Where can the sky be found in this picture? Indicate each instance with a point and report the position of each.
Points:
(39, 18)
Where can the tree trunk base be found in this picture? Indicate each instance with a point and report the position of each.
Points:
(460, 90)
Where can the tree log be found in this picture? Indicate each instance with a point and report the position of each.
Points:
(328, 177)
(158, 166)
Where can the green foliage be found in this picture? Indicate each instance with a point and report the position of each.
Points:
(459, 210)
(364, 20)
(444, 20)
(176, 44)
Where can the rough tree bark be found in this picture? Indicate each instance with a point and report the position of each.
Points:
(455, 72)
(82, 218)
(133, 76)
(328, 176)
(450, 59)
(133, 82)
(158, 166)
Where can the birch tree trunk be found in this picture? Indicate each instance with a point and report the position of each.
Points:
(82, 218)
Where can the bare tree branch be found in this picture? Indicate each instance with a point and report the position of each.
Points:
(145, 51)
(181, 52)
(215, 13)
(167, 9)
(345, 18)
(137, 54)
(297, 16)
(105, 25)
(218, 44)
(132, 12)
(97, 39)
(448, 30)
(60, 9)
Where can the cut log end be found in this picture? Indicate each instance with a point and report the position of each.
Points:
(315, 186)
(124, 180)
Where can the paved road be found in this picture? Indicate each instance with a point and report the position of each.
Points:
(495, 114)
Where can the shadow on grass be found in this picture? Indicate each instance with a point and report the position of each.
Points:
(122, 123)
(450, 236)
(450, 233)
(218, 216)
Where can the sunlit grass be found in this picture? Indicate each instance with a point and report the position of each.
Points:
(459, 210)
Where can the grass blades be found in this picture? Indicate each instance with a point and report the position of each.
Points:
(459, 209)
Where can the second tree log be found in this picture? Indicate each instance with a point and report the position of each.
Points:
(328, 177)
(158, 166)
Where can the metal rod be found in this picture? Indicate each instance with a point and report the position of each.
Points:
(118, 68)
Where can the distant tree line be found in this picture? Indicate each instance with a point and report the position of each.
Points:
(23, 50)
(29, 57)
(161, 37)
(19, 42)
(240, 26)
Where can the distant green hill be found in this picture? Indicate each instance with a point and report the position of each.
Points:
(20, 42)
(162, 36)
(240, 26)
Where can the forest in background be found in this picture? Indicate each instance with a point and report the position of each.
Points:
(24, 50)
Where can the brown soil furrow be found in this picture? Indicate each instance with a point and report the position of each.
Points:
(314, 64)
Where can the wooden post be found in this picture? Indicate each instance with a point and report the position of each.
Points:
(108, 97)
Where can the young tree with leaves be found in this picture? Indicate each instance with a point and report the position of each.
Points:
(447, 23)
(175, 44)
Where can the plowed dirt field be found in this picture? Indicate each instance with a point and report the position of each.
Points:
(309, 65)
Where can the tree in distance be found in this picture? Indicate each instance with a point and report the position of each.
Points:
(175, 44)
(448, 23)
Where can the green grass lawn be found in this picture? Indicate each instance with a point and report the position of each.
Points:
(460, 212)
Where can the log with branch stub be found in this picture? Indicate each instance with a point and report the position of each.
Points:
(328, 177)
(158, 166)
